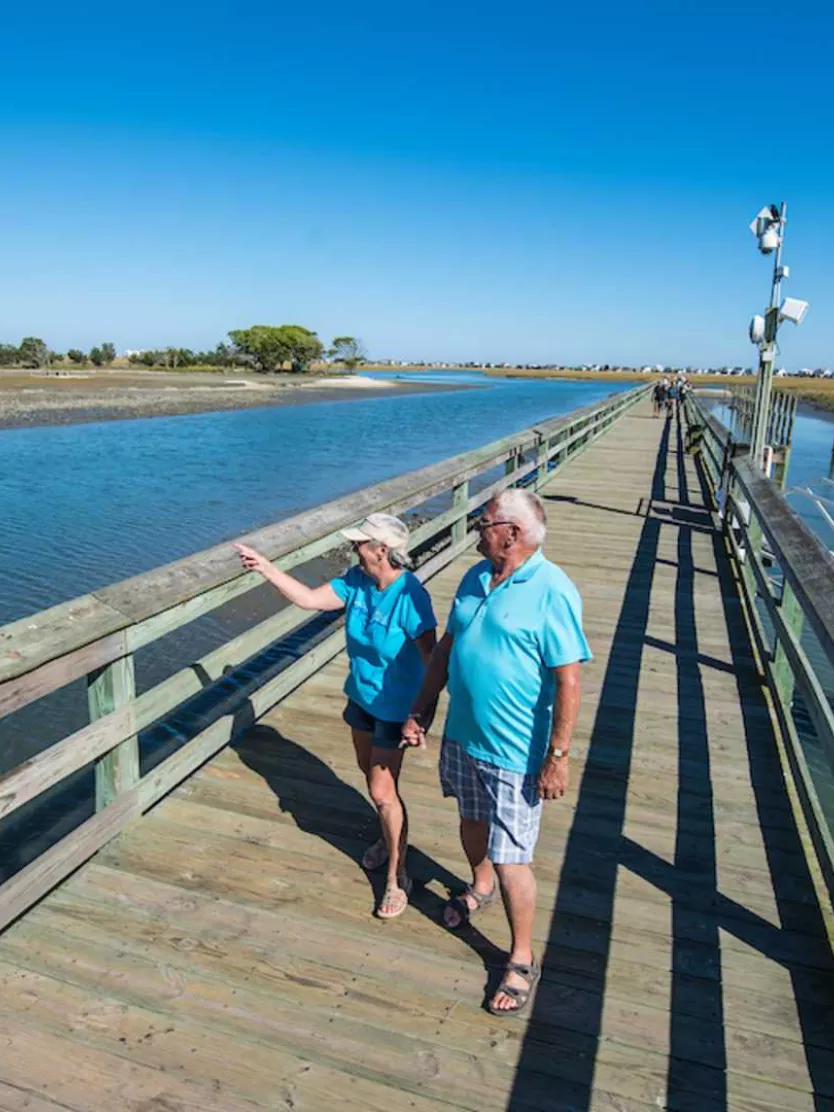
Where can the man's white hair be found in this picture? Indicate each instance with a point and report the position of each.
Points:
(525, 509)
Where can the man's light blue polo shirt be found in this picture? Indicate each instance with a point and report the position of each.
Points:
(386, 669)
(506, 643)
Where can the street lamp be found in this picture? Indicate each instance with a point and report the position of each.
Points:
(768, 227)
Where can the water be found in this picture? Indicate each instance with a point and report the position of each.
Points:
(810, 459)
(91, 504)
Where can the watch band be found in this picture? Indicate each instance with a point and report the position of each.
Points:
(558, 753)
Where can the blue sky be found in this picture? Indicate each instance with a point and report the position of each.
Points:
(530, 181)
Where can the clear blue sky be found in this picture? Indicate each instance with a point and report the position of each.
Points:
(527, 180)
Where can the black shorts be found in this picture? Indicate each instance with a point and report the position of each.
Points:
(385, 735)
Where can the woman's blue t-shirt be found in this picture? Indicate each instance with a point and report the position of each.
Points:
(386, 669)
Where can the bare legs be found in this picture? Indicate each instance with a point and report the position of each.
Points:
(518, 891)
(473, 838)
(382, 773)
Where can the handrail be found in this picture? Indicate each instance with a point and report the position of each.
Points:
(95, 636)
(753, 510)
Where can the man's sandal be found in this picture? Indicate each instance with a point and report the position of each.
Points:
(395, 896)
(375, 856)
(462, 909)
(531, 974)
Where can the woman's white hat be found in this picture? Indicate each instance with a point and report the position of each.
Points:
(384, 528)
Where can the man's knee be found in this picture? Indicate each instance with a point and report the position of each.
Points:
(515, 876)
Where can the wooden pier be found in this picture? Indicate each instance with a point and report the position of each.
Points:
(219, 953)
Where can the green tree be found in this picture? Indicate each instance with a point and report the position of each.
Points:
(348, 351)
(108, 353)
(33, 352)
(97, 357)
(268, 347)
(76, 356)
(9, 355)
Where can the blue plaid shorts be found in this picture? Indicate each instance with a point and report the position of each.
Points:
(508, 801)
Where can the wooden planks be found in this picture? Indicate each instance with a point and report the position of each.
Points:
(221, 953)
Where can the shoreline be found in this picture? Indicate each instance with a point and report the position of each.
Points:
(36, 401)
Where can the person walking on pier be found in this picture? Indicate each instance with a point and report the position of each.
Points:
(659, 396)
(390, 630)
(510, 655)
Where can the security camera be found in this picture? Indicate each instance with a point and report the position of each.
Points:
(793, 310)
(769, 240)
(757, 329)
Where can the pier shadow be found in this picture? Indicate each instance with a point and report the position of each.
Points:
(307, 788)
(325, 806)
(565, 1031)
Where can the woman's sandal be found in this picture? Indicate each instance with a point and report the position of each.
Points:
(531, 974)
(459, 905)
(375, 856)
(395, 896)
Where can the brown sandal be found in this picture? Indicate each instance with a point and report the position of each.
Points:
(531, 974)
(459, 905)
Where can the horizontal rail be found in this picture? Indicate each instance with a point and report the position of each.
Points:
(96, 635)
(755, 511)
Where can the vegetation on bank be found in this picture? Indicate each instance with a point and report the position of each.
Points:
(266, 349)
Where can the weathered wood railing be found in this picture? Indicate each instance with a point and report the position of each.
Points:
(95, 636)
(765, 537)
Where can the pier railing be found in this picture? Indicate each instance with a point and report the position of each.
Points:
(787, 584)
(94, 637)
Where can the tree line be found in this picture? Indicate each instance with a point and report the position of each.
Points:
(266, 349)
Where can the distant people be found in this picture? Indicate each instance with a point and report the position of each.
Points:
(671, 398)
(510, 655)
(659, 397)
(390, 630)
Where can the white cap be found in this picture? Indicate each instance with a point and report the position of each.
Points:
(384, 528)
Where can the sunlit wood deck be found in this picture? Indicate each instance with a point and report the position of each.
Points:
(221, 954)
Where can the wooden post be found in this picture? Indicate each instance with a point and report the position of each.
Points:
(752, 540)
(108, 689)
(511, 463)
(541, 456)
(783, 677)
(460, 498)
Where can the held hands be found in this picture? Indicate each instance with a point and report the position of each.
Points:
(553, 777)
(252, 560)
(413, 735)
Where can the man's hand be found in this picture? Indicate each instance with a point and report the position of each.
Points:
(553, 777)
(413, 735)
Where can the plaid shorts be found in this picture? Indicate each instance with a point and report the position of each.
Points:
(508, 801)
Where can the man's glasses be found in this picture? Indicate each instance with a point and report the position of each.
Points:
(482, 525)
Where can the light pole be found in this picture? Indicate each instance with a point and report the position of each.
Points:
(769, 228)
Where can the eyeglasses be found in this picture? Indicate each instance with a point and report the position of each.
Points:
(481, 525)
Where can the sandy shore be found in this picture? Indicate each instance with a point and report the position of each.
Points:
(33, 398)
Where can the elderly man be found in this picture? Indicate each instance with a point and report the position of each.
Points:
(511, 656)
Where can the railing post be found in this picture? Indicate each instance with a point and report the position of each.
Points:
(541, 459)
(511, 463)
(108, 689)
(781, 670)
(460, 498)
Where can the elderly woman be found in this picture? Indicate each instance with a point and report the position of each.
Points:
(390, 631)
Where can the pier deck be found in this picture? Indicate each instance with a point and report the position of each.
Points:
(220, 954)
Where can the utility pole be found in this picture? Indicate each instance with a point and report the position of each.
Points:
(769, 228)
(767, 349)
